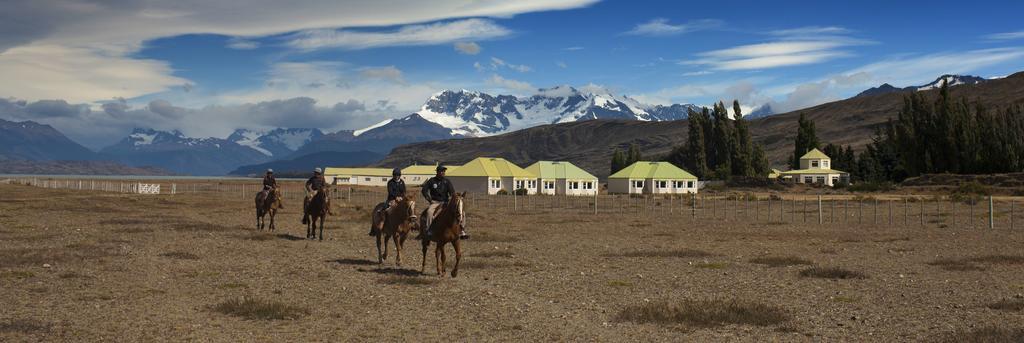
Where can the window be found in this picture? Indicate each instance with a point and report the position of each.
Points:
(343, 180)
(366, 179)
(662, 184)
(820, 179)
(835, 180)
(549, 185)
(495, 183)
(520, 184)
(824, 164)
(588, 185)
(574, 185)
(638, 184)
(808, 179)
(384, 179)
(814, 164)
(531, 184)
(689, 184)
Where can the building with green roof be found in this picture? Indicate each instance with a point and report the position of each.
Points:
(416, 174)
(646, 177)
(562, 178)
(816, 167)
(489, 175)
(357, 176)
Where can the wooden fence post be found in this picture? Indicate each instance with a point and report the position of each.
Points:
(991, 214)
(874, 214)
(693, 205)
(922, 213)
(819, 209)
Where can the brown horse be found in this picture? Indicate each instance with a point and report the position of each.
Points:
(319, 207)
(267, 203)
(395, 224)
(445, 229)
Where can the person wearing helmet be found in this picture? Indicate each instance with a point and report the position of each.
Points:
(396, 191)
(314, 185)
(437, 190)
(269, 183)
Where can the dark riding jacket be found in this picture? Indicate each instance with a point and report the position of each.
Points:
(316, 183)
(438, 189)
(269, 181)
(396, 189)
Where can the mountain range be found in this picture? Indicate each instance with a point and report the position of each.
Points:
(449, 120)
(589, 144)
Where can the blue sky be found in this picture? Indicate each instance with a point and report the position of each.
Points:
(212, 67)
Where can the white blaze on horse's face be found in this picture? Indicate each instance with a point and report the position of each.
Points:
(461, 213)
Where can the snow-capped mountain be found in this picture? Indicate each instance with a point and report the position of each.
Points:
(470, 113)
(277, 142)
(173, 151)
(952, 80)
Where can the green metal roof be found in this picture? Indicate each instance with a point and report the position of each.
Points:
(559, 170)
(425, 169)
(490, 167)
(357, 171)
(814, 154)
(813, 171)
(653, 170)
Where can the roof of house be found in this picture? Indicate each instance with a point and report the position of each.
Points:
(490, 167)
(559, 170)
(775, 173)
(813, 171)
(814, 154)
(357, 171)
(652, 170)
(425, 169)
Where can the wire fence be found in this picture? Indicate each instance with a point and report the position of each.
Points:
(893, 211)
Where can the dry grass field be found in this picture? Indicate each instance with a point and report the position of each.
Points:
(92, 266)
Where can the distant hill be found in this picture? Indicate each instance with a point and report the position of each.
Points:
(589, 144)
(175, 152)
(29, 140)
(305, 164)
(75, 168)
(952, 80)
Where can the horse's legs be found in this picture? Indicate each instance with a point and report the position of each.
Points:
(272, 214)
(380, 256)
(386, 238)
(322, 227)
(458, 257)
(423, 265)
(401, 245)
(437, 257)
(398, 250)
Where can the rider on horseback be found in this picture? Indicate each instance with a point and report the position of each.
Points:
(437, 190)
(396, 191)
(269, 183)
(314, 185)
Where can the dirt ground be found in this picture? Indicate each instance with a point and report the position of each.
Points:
(92, 266)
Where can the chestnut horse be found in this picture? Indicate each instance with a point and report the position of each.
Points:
(444, 229)
(319, 207)
(395, 225)
(267, 203)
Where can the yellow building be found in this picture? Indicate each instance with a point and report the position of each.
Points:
(358, 176)
(416, 175)
(488, 175)
(816, 167)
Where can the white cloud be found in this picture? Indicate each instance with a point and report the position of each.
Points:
(497, 63)
(573, 48)
(1006, 36)
(661, 27)
(390, 73)
(772, 55)
(242, 44)
(80, 74)
(38, 39)
(561, 64)
(812, 31)
(511, 85)
(467, 48)
(410, 35)
(919, 69)
(698, 73)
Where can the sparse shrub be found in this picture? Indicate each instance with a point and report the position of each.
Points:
(988, 334)
(181, 255)
(681, 253)
(831, 273)
(956, 265)
(775, 261)
(1016, 305)
(705, 313)
(871, 186)
(774, 196)
(24, 326)
(249, 308)
(522, 191)
(502, 192)
(620, 283)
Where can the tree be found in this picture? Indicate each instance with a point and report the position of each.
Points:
(806, 140)
(741, 154)
(618, 161)
(723, 142)
(759, 161)
(697, 159)
(633, 156)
